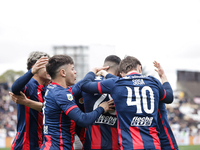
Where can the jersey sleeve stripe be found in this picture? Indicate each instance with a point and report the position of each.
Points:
(166, 131)
(164, 95)
(99, 88)
(96, 137)
(72, 107)
(154, 134)
(137, 139)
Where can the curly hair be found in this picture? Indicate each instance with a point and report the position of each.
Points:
(33, 57)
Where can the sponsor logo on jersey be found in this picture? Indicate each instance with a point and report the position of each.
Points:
(142, 121)
(70, 97)
(110, 120)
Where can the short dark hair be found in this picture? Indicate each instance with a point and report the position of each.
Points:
(128, 63)
(33, 57)
(113, 58)
(56, 62)
(113, 62)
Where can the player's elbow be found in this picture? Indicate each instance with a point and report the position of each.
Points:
(170, 99)
(15, 90)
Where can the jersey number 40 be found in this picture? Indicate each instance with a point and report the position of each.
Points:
(142, 98)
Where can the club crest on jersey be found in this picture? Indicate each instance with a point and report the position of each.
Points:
(81, 100)
(70, 97)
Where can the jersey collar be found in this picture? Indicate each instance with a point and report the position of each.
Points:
(54, 83)
(133, 72)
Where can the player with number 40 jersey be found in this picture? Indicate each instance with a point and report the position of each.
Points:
(136, 99)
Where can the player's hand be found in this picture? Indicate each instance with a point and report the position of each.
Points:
(40, 63)
(112, 107)
(159, 69)
(102, 73)
(107, 106)
(97, 69)
(19, 99)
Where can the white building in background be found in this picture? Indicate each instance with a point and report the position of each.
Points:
(86, 57)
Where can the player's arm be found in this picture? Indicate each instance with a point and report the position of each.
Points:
(76, 91)
(23, 100)
(20, 83)
(85, 119)
(87, 84)
(168, 96)
(160, 72)
(105, 74)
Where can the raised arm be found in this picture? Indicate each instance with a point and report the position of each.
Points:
(23, 100)
(166, 85)
(160, 72)
(20, 83)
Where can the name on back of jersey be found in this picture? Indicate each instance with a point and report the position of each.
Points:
(141, 121)
(138, 82)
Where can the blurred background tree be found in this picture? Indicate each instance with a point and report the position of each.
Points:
(10, 75)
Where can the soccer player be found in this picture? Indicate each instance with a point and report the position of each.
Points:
(136, 99)
(102, 134)
(29, 121)
(60, 111)
(167, 139)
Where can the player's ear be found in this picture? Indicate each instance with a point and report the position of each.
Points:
(139, 68)
(122, 74)
(62, 72)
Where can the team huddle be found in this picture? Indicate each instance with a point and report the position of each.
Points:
(114, 107)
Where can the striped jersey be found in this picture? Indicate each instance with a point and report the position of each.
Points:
(136, 99)
(29, 122)
(60, 113)
(166, 136)
(167, 139)
(102, 134)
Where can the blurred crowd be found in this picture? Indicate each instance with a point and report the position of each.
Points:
(8, 112)
(182, 114)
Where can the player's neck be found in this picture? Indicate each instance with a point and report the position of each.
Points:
(40, 80)
(133, 72)
(60, 81)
